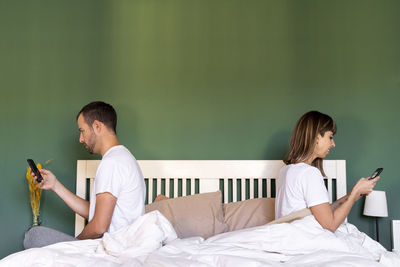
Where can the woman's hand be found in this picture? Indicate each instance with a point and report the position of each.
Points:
(364, 186)
(49, 180)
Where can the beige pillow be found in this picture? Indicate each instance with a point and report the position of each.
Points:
(249, 213)
(293, 216)
(195, 215)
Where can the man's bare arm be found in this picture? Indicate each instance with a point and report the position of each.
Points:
(105, 204)
(77, 204)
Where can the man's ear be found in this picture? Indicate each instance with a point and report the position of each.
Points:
(97, 126)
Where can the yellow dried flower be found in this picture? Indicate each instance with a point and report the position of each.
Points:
(35, 193)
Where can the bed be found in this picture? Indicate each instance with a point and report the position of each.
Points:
(212, 218)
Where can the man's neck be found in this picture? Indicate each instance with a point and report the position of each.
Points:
(107, 144)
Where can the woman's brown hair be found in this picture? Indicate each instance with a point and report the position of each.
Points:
(304, 136)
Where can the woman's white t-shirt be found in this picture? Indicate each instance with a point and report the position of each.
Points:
(119, 174)
(299, 186)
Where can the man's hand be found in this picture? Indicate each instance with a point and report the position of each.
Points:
(49, 180)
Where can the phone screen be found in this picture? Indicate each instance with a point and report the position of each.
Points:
(376, 173)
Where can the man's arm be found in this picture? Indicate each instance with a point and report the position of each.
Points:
(77, 204)
(105, 204)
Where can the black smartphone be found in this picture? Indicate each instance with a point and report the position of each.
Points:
(376, 173)
(35, 170)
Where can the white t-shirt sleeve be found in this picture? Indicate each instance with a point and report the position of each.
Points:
(314, 190)
(108, 179)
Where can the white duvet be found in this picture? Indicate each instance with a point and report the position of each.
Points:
(152, 241)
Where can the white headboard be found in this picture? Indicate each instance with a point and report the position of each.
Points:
(172, 177)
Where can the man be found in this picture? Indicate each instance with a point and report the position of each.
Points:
(118, 195)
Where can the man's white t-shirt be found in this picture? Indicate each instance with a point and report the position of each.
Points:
(299, 186)
(119, 174)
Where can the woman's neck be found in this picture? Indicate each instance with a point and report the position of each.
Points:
(310, 160)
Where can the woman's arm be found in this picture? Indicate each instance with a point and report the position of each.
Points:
(331, 216)
(339, 202)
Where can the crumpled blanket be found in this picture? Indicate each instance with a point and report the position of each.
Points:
(299, 243)
(128, 246)
(147, 234)
(152, 241)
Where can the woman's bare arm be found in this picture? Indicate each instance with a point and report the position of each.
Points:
(331, 216)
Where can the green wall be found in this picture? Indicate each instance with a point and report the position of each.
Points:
(195, 80)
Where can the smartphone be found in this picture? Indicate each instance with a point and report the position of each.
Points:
(35, 170)
(376, 173)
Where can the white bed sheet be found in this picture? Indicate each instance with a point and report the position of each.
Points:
(152, 241)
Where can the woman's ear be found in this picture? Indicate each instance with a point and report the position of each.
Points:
(318, 138)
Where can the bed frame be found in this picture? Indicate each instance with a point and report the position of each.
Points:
(237, 179)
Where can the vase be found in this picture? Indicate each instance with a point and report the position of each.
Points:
(36, 220)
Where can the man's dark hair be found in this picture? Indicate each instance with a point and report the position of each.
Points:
(100, 111)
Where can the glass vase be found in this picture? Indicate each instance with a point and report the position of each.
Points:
(36, 220)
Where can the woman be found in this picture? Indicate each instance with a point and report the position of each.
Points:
(300, 183)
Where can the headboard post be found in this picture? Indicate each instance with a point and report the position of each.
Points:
(341, 178)
(81, 192)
